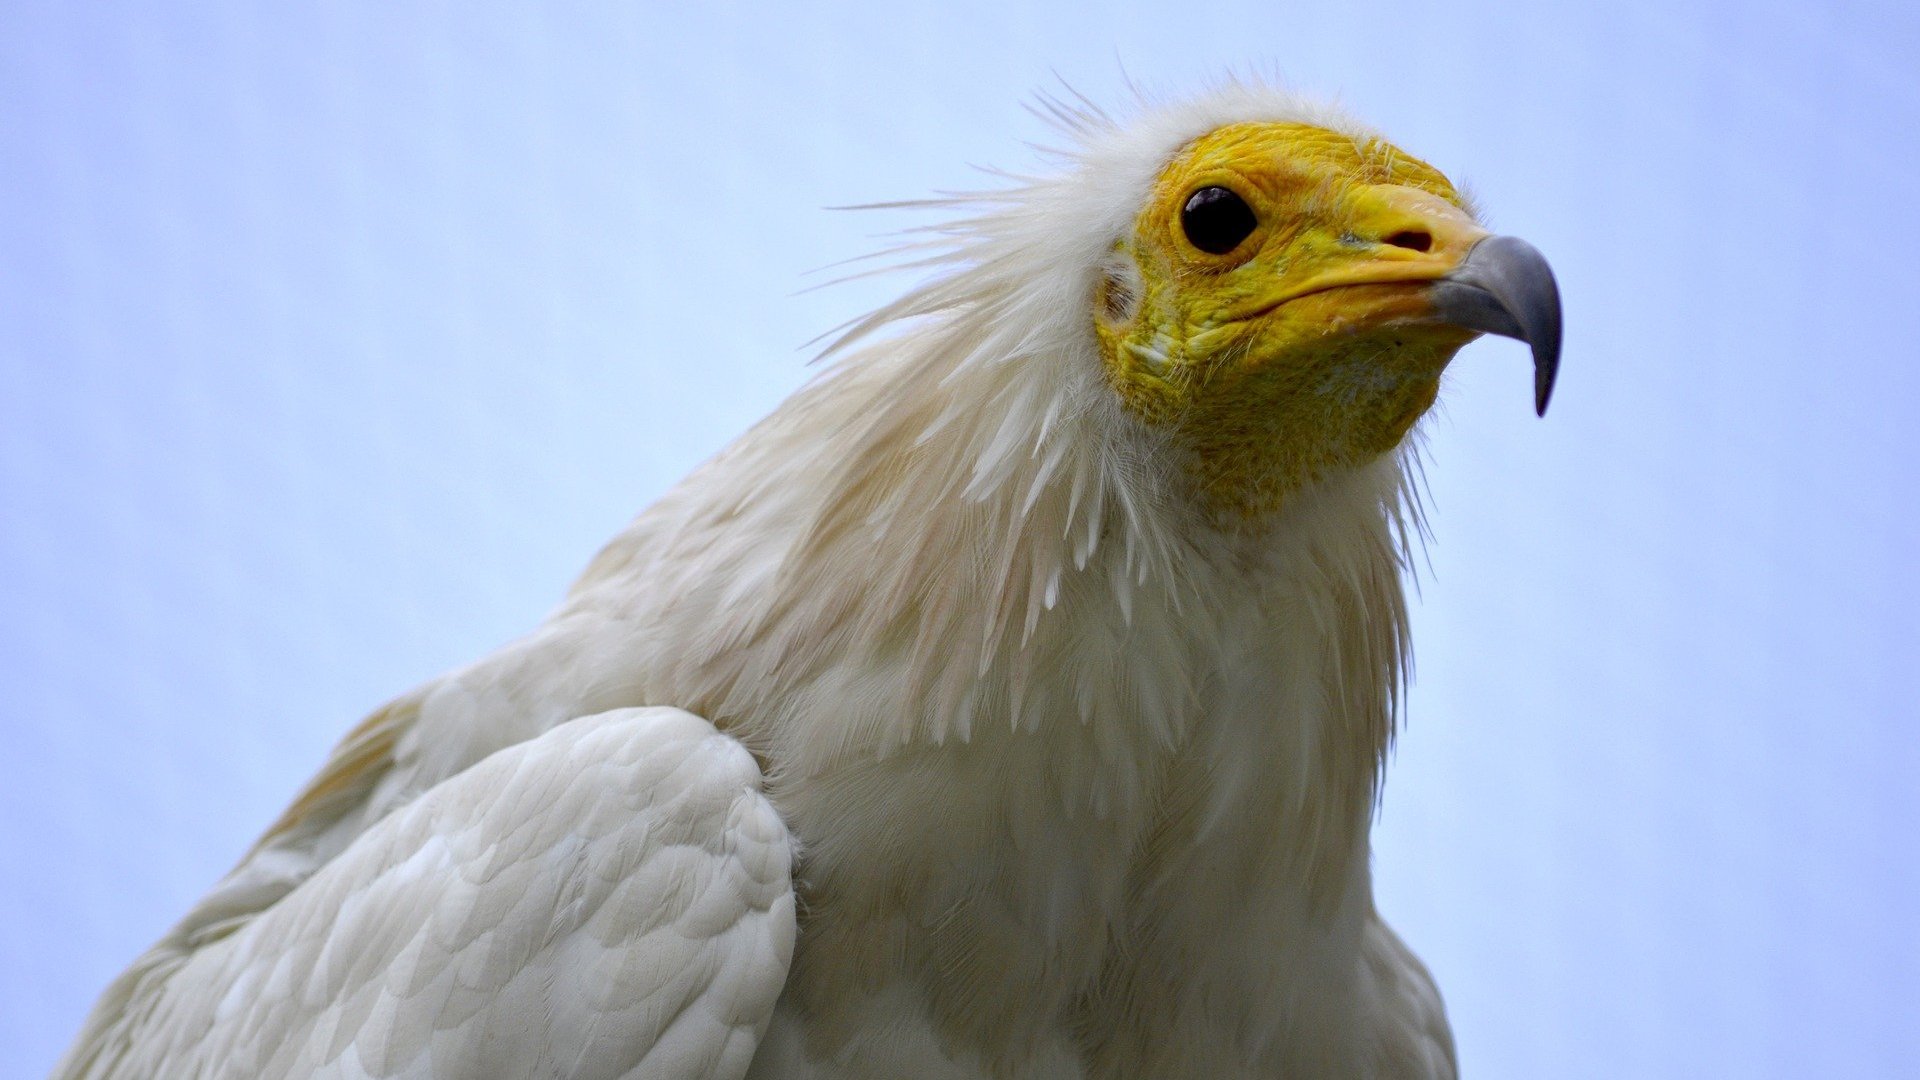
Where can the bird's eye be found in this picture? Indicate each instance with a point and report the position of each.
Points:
(1216, 220)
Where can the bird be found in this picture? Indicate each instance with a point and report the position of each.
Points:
(1012, 701)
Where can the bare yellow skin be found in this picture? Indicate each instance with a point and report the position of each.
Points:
(1310, 346)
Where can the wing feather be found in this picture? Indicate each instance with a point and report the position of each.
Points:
(610, 899)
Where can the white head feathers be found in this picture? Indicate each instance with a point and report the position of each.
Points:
(939, 490)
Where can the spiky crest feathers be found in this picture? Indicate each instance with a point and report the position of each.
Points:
(990, 469)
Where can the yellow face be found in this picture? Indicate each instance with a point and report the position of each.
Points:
(1271, 308)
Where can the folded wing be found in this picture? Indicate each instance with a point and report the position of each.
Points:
(610, 899)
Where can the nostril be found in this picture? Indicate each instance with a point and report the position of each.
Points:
(1415, 239)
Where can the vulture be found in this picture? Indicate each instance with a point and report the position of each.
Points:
(1011, 702)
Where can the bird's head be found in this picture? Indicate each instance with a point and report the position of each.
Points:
(1288, 295)
(1206, 329)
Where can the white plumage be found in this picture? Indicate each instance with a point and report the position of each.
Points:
(1073, 779)
(610, 898)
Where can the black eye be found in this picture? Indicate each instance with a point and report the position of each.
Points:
(1216, 220)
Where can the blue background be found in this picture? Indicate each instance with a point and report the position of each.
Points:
(334, 339)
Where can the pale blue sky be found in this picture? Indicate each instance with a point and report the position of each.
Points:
(336, 340)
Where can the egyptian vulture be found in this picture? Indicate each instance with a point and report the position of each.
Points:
(1011, 702)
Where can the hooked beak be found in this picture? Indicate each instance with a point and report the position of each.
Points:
(1504, 286)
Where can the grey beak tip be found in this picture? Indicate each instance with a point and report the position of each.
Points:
(1504, 286)
(1545, 367)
